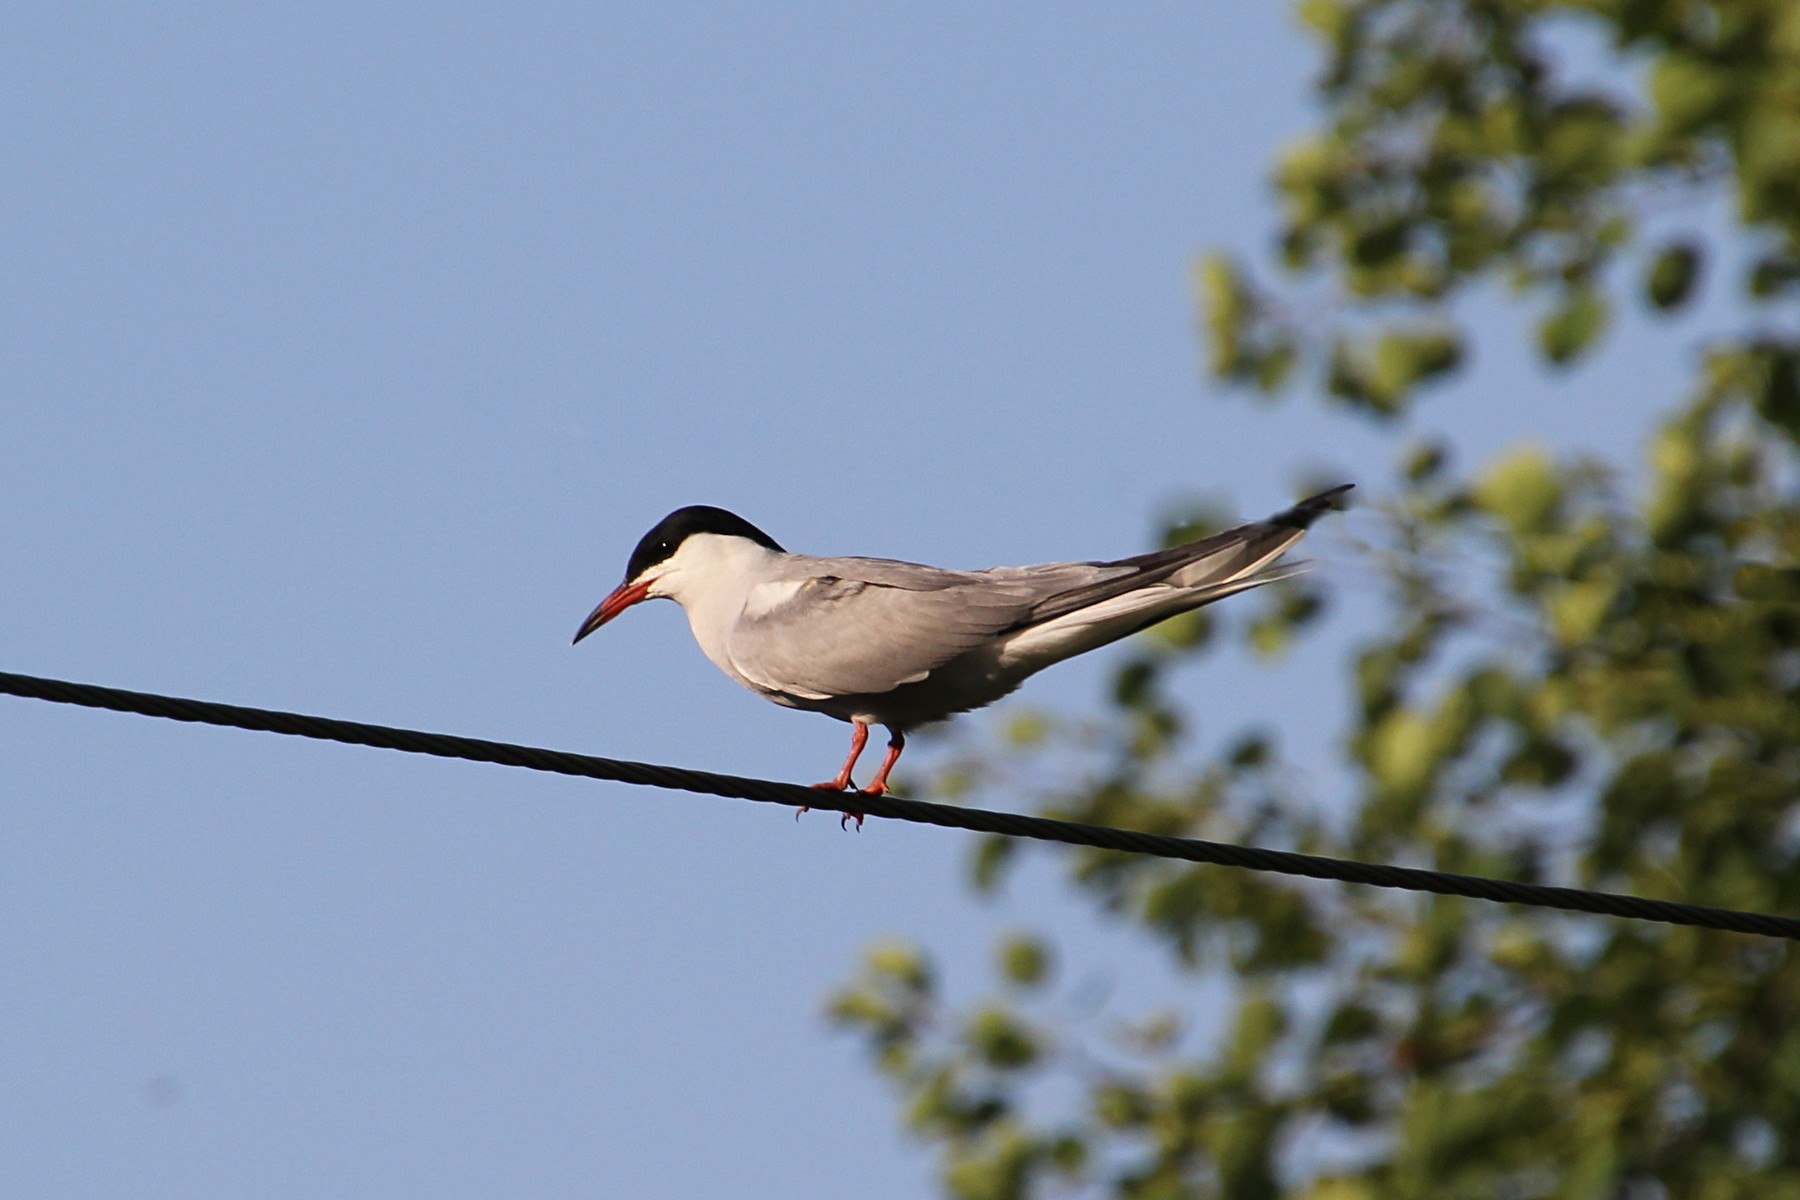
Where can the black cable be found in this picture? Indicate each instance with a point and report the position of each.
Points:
(1045, 829)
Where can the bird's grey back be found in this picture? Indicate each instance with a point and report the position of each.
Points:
(864, 626)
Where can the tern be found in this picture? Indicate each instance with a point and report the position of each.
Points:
(874, 641)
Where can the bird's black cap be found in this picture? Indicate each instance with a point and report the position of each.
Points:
(683, 523)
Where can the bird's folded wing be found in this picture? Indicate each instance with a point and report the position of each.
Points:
(831, 627)
(858, 626)
(1193, 567)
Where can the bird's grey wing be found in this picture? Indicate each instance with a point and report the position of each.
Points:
(827, 627)
(858, 626)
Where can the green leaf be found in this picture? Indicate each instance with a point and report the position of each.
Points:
(1690, 91)
(1578, 608)
(1672, 274)
(1026, 729)
(1778, 399)
(1523, 489)
(1001, 1040)
(1134, 684)
(1771, 274)
(1405, 359)
(902, 962)
(1327, 18)
(1571, 328)
(1351, 1023)
(1024, 960)
(992, 856)
(1423, 461)
(1120, 1106)
(1400, 753)
(1248, 752)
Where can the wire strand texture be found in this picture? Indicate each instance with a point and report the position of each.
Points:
(1045, 829)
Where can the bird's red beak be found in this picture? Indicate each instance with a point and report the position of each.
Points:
(622, 598)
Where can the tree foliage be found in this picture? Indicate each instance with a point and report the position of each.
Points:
(1580, 680)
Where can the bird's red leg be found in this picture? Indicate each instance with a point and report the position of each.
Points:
(859, 737)
(878, 785)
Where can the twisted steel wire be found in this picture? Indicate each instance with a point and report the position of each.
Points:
(1046, 829)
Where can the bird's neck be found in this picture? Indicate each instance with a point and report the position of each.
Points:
(714, 588)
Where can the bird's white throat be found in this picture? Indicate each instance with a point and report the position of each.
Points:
(712, 577)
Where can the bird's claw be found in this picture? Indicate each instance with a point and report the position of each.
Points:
(845, 783)
(874, 789)
(841, 784)
(843, 819)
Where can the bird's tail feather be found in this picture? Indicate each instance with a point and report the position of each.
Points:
(1254, 579)
(1168, 583)
(1303, 514)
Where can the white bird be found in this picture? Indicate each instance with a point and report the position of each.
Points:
(873, 641)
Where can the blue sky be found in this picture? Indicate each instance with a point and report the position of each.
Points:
(345, 353)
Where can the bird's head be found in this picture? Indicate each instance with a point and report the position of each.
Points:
(690, 550)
